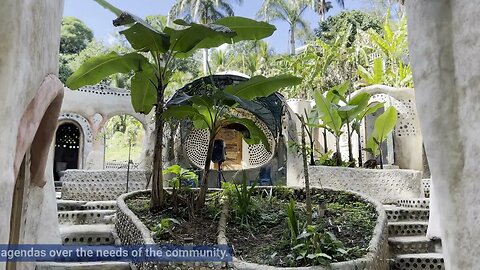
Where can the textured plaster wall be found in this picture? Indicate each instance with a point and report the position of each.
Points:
(28, 53)
(386, 186)
(444, 42)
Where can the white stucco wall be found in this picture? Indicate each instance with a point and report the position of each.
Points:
(444, 42)
(28, 53)
(97, 104)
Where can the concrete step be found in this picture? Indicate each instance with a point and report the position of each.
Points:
(80, 217)
(407, 228)
(84, 266)
(418, 261)
(414, 203)
(395, 213)
(94, 234)
(410, 245)
(69, 205)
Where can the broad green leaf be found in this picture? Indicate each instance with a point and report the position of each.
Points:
(255, 134)
(175, 169)
(247, 29)
(377, 71)
(197, 36)
(182, 112)
(328, 114)
(361, 103)
(143, 91)
(143, 38)
(336, 91)
(371, 108)
(260, 86)
(98, 68)
(109, 6)
(384, 124)
(372, 147)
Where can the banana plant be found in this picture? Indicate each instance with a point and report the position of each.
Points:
(152, 65)
(328, 110)
(216, 110)
(357, 122)
(383, 127)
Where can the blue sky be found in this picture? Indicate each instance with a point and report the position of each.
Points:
(100, 19)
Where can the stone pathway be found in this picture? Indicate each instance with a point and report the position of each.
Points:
(87, 223)
(407, 227)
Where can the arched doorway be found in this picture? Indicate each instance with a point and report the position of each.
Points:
(67, 149)
(123, 137)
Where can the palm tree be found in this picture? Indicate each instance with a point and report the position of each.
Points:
(322, 7)
(290, 11)
(202, 11)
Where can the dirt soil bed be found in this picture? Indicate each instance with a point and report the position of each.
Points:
(265, 237)
(179, 227)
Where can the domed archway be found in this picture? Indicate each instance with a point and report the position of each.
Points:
(67, 149)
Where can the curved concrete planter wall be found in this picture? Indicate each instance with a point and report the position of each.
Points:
(386, 186)
(132, 231)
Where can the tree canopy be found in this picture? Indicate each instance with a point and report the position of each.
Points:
(74, 35)
(357, 20)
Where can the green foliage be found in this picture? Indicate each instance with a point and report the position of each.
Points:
(214, 110)
(203, 11)
(391, 68)
(119, 132)
(74, 35)
(384, 125)
(289, 11)
(293, 223)
(96, 69)
(355, 19)
(243, 200)
(182, 177)
(166, 225)
(260, 86)
(318, 247)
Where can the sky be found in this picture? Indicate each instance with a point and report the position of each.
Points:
(100, 20)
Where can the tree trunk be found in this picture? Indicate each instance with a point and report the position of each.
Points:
(157, 174)
(205, 62)
(292, 40)
(325, 146)
(307, 180)
(338, 154)
(381, 154)
(360, 159)
(350, 150)
(206, 171)
(312, 158)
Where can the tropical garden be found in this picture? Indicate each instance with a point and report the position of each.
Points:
(278, 226)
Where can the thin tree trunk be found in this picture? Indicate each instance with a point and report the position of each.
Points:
(157, 174)
(206, 171)
(292, 40)
(350, 150)
(312, 159)
(381, 155)
(325, 146)
(338, 154)
(205, 61)
(307, 180)
(360, 159)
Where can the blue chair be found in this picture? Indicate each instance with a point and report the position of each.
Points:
(264, 177)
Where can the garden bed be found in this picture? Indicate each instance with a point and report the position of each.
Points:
(264, 237)
(181, 226)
